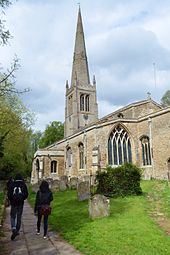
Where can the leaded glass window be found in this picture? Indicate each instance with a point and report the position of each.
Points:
(146, 151)
(119, 147)
(84, 102)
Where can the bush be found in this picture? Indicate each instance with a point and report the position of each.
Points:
(120, 181)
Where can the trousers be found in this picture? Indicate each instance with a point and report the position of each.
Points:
(39, 222)
(16, 215)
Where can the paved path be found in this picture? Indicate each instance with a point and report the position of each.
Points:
(28, 243)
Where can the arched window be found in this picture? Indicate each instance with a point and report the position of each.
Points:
(146, 151)
(81, 156)
(37, 164)
(53, 166)
(69, 157)
(87, 103)
(119, 147)
(82, 102)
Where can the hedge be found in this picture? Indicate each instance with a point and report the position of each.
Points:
(120, 181)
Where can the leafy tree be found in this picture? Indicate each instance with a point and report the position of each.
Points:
(15, 122)
(53, 133)
(165, 100)
(34, 142)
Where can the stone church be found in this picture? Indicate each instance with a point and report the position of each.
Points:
(137, 133)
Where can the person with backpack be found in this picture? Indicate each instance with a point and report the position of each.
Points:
(42, 206)
(17, 193)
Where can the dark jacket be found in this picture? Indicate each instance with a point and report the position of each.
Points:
(42, 198)
(21, 184)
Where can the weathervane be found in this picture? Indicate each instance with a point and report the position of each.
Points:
(149, 95)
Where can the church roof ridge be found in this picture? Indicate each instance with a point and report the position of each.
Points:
(134, 104)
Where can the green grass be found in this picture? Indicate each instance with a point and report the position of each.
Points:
(129, 229)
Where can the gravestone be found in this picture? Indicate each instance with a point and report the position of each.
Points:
(50, 181)
(55, 185)
(99, 206)
(62, 185)
(35, 187)
(83, 191)
(64, 178)
(73, 182)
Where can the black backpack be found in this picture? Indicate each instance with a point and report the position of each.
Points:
(17, 195)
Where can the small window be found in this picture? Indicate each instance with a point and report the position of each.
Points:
(53, 166)
(120, 115)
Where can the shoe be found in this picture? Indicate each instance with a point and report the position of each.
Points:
(38, 233)
(14, 234)
(45, 237)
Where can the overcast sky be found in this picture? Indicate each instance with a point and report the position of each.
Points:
(123, 40)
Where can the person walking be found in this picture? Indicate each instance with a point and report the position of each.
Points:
(17, 193)
(42, 206)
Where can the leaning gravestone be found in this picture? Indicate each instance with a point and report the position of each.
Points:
(73, 182)
(99, 206)
(83, 191)
(62, 186)
(55, 185)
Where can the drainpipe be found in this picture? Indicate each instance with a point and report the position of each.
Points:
(151, 144)
(85, 151)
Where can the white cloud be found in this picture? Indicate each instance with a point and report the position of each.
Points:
(123, 39)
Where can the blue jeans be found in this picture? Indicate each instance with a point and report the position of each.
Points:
(16, 214)
(39, 222)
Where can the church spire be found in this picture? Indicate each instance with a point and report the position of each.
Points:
(80, 70)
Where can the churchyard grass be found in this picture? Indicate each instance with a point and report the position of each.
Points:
(128, 230)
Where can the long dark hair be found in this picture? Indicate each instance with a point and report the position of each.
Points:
(44, 186)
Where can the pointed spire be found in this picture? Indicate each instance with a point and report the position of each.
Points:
(94, 80)
(80, 64)
(67, 84)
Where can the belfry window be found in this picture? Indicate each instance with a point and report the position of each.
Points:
(87, 103)
(53, 166)
(84, 102)
(81, 156)
(119, 147)
(146, 151)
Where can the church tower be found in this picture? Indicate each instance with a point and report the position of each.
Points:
(80, 101)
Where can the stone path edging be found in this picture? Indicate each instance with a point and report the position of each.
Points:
(28, 243)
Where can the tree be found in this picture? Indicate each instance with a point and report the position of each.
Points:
(53, 133)
(165, 100)
(6, 86)
(4, 33)
(15, 133)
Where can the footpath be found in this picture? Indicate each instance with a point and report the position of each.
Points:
(28, 243)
